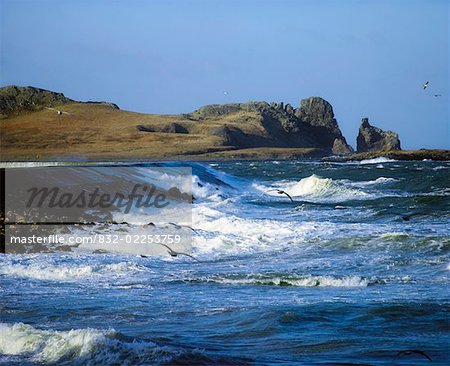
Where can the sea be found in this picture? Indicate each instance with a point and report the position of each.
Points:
(293, 263)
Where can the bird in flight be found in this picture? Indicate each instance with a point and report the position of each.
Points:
(183, 226)
(425, 85)
(280, 191)
(413, 351)
(173, 253)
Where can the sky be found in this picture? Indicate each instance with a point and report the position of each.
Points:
(368, 58)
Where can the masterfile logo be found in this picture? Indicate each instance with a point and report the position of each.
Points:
(119, 206)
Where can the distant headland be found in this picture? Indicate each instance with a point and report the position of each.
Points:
(38, 124)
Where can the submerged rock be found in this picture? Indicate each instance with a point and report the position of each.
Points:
(371, 138)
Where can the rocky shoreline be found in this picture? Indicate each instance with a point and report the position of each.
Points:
(422, 154)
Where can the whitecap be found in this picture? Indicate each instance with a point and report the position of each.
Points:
(316, 188)
(77, 346)
(378, 181)
(63, 272)
(378, 160)
(286, 280)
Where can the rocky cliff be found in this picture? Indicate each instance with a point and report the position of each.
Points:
(371, 138)
(311, 125)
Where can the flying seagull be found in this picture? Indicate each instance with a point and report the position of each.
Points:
(413, 351)
(280, 191)
(425, 85)
(173, 253)
(182, 226)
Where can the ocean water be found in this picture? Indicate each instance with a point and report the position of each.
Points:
(354, 271)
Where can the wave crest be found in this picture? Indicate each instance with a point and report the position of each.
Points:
(78, 346)
(59, 272)
(287, 280)
(320, 189)
(378, 160)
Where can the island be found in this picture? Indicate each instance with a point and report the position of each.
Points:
(43, 125)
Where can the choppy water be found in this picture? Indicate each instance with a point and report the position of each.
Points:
(344, 275)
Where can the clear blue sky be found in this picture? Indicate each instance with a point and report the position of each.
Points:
(366, 57)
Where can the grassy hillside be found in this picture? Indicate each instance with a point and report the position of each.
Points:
(94, 131)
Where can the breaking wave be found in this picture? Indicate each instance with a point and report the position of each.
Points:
(316, 188)
(78, 346)
(370, 183)
(378, 160)
(286, 280)
(61, 272)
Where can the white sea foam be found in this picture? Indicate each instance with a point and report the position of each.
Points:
(316, 188)
(440, 167)
(167, 177)
(378, 160)
(375, 182)
(63, 272)
(77, 346)
(277, 280)
(223, 233)
(395, 235)
(202, 190)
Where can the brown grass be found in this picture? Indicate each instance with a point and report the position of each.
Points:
(97, 132)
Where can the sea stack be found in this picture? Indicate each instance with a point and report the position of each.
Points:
(318, 115)
(371, 138)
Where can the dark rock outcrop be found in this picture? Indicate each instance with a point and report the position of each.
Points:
(213, 110)
(317, 116)
(311, 125)
(169, 128)
(15, 99)
(340, 147)
(230, 136)
(372, 138)
(106, 104)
